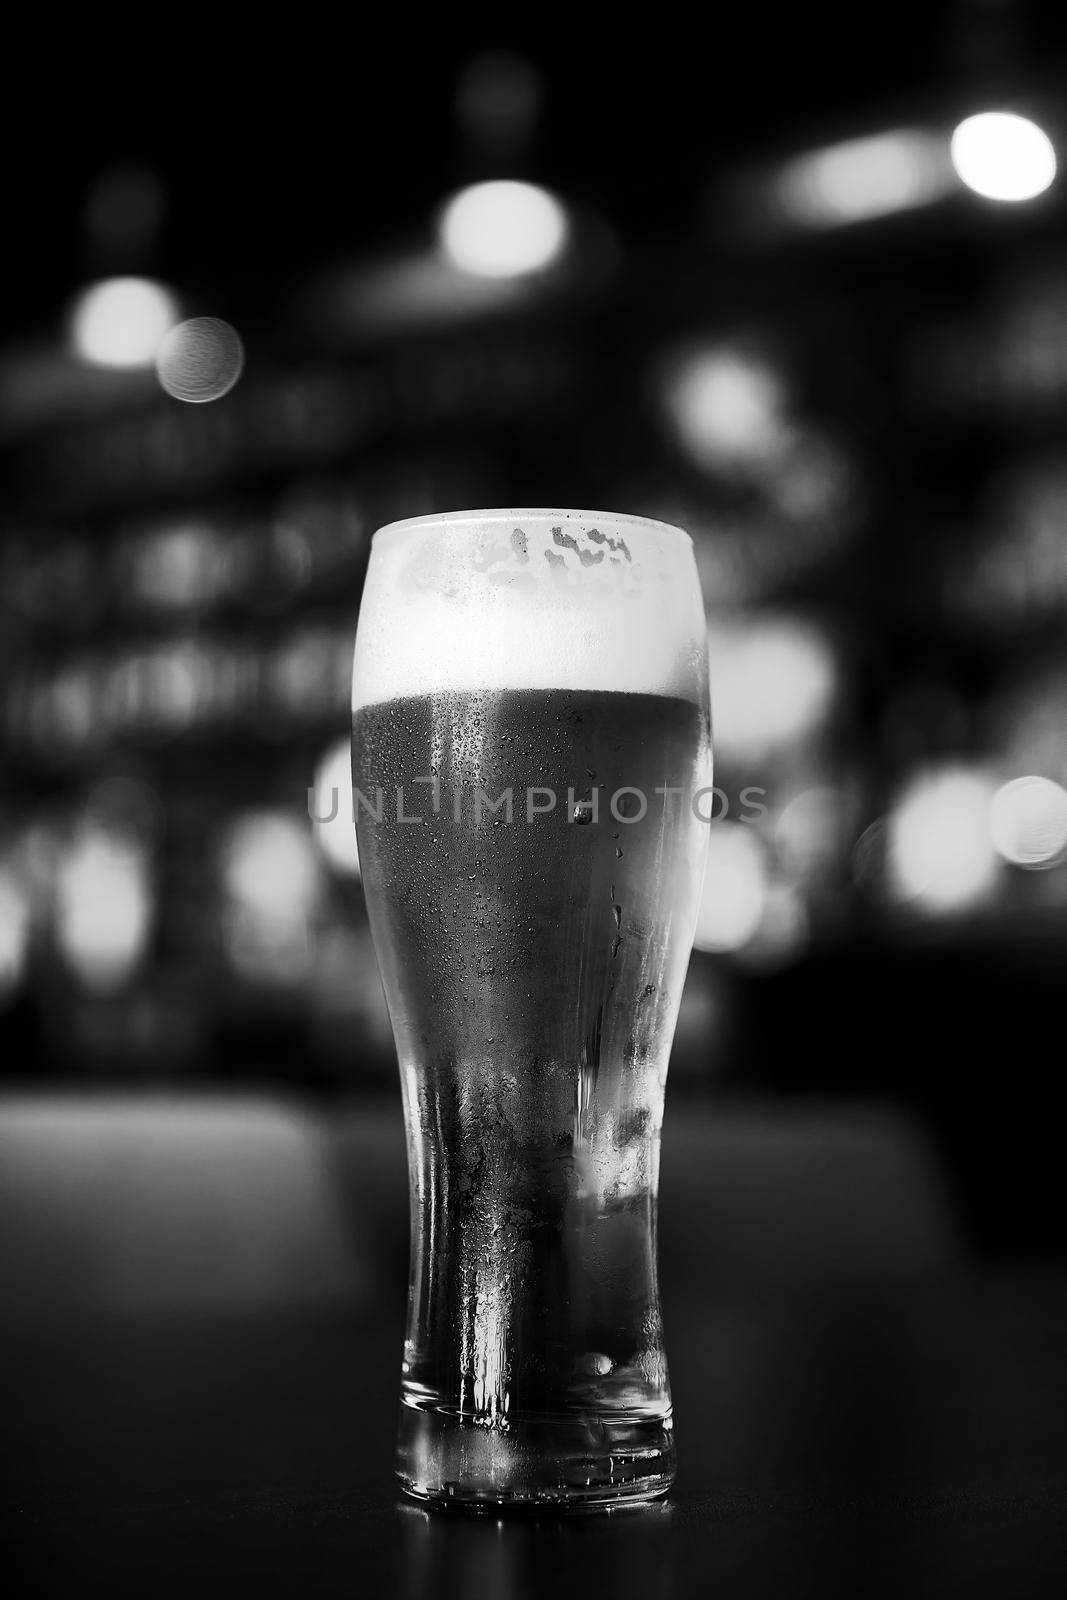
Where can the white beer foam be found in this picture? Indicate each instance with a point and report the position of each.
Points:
(530, 600)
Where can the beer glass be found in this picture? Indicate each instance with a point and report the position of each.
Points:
(530, 741)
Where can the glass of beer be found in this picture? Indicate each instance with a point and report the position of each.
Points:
(532, 762)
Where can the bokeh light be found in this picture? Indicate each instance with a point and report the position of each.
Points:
(1002, 156)
(332, 814)
(200, 360)
(1028, 821)
(120, 322)
(940, 854)
(861, 179)
(103, 907)
(773, 682)
(503, 229)
(273, 884)
(179, 564)
(735, 889)
(726, 406)
(269, 866)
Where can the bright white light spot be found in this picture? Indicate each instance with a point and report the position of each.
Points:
(274, 881)
(200, 360)
(727, 407)
(864, 178)
(335, 829)
(940, 851)
(1028, 821)
(772, 684)
(503, 229)
(14, 934)
(735, 888)
(269, 866)
(104, 907)
(1002, 156)
(121, 321)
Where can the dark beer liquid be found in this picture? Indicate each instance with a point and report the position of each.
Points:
(533, 955)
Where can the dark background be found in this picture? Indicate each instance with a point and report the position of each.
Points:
(882, 542)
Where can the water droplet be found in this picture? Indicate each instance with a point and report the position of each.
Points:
(583, 812)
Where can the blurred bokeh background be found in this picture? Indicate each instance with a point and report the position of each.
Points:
(799, 284)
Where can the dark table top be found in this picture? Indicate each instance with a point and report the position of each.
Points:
(896, 1444)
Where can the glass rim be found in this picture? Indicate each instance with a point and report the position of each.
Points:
(548, 514)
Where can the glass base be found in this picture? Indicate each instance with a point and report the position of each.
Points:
(560, 1463)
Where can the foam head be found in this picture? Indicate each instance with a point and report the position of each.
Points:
(520, 599)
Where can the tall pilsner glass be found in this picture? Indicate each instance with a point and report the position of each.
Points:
(531, 734)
